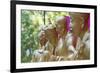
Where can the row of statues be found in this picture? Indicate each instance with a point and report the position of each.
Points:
(68, 40)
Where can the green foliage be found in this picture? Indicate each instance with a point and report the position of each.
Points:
(30, 21)
(51, 16)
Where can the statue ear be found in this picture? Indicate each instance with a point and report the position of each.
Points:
(82, 26)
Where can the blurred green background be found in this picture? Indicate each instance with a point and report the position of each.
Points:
(31, 21)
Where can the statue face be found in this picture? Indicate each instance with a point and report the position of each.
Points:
(61, 26)
(77, 26)
(77, 22)
(43, 38)
(51, 35)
